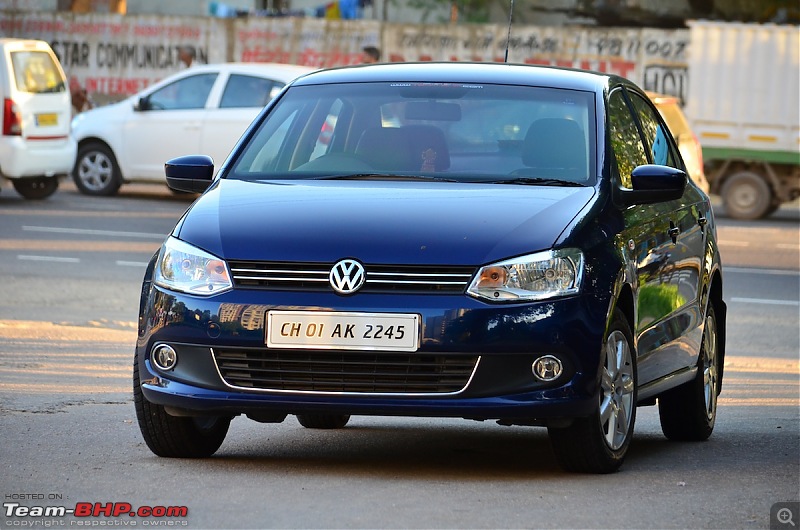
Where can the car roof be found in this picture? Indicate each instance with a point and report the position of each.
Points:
(460, 72)
(23, 43)
(279, 71)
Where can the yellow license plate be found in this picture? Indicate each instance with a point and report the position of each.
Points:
(47, 120)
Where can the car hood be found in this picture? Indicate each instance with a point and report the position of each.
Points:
(397, 222)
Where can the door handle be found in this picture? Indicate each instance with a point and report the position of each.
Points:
(674, 232)
(702, 221)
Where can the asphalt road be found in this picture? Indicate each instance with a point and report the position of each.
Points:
(72, 270)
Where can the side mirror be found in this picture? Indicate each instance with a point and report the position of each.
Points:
(142, 104)
(192, 173)
(653, 183)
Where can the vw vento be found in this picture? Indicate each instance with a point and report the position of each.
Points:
(481, 241)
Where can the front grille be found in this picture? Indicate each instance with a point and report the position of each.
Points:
(345, 371)
(379, 278)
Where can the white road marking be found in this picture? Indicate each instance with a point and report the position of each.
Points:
(766, 301)
(744, 270)
(89, 232)
(48, 258)
(132, 263)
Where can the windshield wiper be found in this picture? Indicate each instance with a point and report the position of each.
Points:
(383, 176)
(538, 181)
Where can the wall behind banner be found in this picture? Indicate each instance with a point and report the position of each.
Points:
(118, 55)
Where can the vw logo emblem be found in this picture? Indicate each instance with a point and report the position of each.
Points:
(347, 276)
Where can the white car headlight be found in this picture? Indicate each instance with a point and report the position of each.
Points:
(182, 267)
(533, 277)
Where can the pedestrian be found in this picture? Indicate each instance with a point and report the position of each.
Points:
(186, 54)
(370, 55)
(80, 98)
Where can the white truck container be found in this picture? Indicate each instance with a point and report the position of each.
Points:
(744, 106)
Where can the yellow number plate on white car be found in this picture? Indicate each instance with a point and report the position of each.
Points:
(46, 120)
(328, 330)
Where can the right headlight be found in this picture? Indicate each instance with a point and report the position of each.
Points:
(533, 277)
(185, 268)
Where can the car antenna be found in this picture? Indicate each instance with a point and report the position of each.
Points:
(508, 38)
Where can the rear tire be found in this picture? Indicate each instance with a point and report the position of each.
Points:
(96, 171)
(176, 437)
(598, 443)
(323, 421)
(688, 412)
(746, 195)
(36, 188)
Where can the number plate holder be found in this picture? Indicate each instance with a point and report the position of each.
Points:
(337, 330)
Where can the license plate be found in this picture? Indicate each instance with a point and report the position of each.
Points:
(47, 120)
(328, 330)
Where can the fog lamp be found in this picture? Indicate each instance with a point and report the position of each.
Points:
(164, 357)
(547, 368)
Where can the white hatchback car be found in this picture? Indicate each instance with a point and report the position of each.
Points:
(35, 145)
(204, 109)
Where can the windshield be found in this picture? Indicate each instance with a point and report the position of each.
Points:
(36, 72)
(447, 131)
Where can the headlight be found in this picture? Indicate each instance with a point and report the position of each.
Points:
(533, 277)
(182, 267)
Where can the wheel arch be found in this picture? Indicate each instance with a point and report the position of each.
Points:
(721, 311)
(97, 140)
(730, 167)
(624, 302)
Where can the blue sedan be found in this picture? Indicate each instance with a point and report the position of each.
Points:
(481, 241)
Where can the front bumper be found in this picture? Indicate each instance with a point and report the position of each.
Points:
(501, 342)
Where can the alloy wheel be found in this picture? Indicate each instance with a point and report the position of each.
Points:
(616, 391)
(95, 170)
(710, 373)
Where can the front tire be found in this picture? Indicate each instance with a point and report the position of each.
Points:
(688, 412)
(96, 170)
(36, 188)
(598, 443)
(176, 437)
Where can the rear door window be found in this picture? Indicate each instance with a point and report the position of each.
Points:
(243, 91)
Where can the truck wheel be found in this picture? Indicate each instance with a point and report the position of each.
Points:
(746, 195)
(36, 188)
(96, 171)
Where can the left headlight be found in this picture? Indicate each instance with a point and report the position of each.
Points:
(185, 268)
(533, 277)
